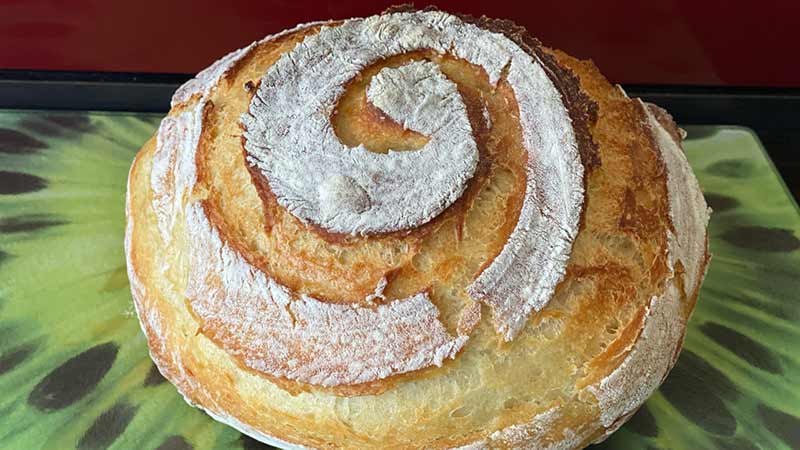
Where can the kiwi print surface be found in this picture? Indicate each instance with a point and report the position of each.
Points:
(74, 367)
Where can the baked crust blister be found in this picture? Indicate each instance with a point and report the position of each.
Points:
(536, 298)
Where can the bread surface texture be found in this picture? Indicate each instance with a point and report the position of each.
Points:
(536, 303)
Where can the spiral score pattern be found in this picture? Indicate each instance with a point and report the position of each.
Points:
(290, 138)
(406, 216)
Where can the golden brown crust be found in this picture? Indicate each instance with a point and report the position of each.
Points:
(493, 392)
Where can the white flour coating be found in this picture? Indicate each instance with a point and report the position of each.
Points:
(419, 97)
(687, 207)
(479, 445)
(529, 435)
(289, 135)
(614, 426)
(173, 172)
(487, 117)
(652, 356)
(290, 138)
(533, 261)
(301, 338)
(340, 194)
(378, 294)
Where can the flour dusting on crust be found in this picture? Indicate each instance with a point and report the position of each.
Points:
(529, 435)
(480, 445)
(533, 261)
(290, 139)
(301, 338)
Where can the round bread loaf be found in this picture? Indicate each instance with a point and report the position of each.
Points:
(416, 229)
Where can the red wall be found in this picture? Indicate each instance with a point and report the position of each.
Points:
(633, 41)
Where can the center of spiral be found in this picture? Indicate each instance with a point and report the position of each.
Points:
(415, 96)
(290, 136)
(412, 96)
(358, 122)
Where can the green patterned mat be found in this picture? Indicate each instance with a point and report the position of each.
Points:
(74, 370)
